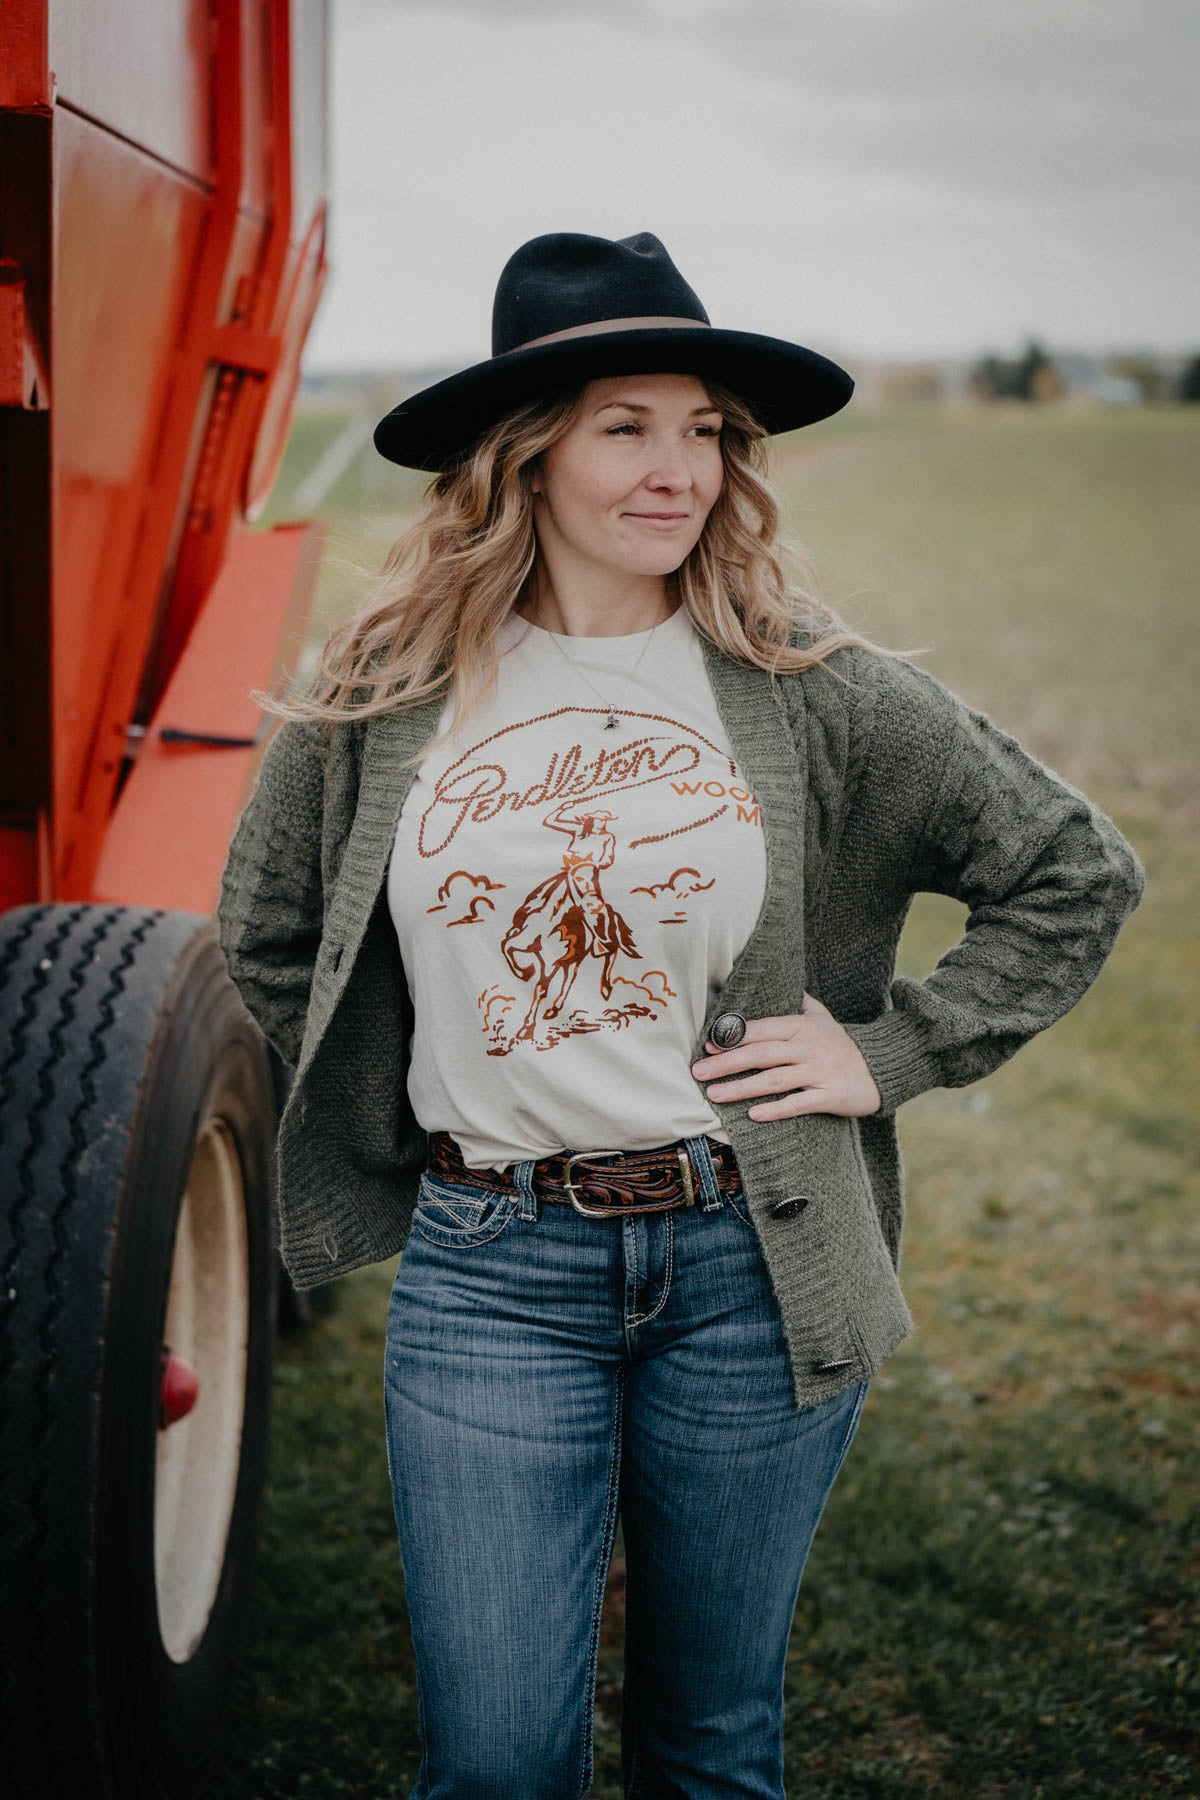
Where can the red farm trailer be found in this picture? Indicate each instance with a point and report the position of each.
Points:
(163, 174)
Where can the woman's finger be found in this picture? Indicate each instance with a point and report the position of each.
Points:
(805, 1100)
(768, 1026)
(767, 1051)
(799, 1102)
(770, 1080)
(777, 1034)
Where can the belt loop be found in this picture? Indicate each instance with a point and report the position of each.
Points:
(522, 1176)
(702, 1162)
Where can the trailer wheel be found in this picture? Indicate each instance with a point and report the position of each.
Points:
(137, 1125)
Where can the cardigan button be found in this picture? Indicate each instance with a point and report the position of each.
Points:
(330, 1246)
(842, 1362)
(336, 958)
(787, 1209)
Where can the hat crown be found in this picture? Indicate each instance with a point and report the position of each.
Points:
(568, 278)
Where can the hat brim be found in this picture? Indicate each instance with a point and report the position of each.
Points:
(784, 385)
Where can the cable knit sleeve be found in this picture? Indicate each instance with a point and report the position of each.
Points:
(1047, 878)
(270, 911)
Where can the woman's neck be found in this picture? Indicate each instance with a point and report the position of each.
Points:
(576, 618)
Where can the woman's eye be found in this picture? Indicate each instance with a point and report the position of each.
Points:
(630, 425)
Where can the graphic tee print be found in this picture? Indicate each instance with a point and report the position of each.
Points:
(569, 899)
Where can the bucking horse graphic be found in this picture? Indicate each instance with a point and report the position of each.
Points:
(566, 918)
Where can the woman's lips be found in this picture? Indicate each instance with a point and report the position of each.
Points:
(655, 524)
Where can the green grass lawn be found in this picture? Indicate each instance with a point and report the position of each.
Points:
(1002, 1599)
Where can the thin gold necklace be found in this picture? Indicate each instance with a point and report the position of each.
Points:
(612, 721)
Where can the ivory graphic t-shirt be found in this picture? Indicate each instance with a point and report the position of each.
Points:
(569, 899)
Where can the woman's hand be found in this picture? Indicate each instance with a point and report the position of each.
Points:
(806, 1057)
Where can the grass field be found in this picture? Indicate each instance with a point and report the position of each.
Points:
(1002, 1599)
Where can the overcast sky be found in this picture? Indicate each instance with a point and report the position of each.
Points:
(868, 177)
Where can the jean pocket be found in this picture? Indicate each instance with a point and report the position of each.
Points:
(735, 1199)
(452, 1214)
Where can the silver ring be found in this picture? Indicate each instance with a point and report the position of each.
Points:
(729, 1028)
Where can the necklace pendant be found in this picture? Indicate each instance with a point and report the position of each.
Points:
(611, 720)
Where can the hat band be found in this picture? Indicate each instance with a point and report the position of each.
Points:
(649, 322)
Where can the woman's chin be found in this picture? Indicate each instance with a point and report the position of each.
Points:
(663, 561)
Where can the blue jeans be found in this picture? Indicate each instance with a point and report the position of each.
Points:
(544, 1373)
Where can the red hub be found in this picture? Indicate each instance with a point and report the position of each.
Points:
(177, 1389)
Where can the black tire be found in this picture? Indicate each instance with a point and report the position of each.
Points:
(137, 1129)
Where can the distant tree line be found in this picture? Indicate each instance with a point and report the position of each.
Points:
(1033, 376)
(1030, 376)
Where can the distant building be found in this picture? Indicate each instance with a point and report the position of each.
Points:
(1118, 390)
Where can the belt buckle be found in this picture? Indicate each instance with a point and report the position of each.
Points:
(589, 1212)
(605, 1212)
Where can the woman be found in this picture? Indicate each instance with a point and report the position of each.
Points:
(574, 896)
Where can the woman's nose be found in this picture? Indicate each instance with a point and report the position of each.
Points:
(670, 469)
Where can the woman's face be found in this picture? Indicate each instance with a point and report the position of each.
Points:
(642, 444)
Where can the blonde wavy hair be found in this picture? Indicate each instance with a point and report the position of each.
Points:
(429, 619)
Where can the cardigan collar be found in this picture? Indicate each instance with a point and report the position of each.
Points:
(768, 975)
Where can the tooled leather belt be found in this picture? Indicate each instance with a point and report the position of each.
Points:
(598, 1182)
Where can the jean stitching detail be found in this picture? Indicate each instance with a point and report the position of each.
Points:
(423, 1770)
(469, 1215)
(607, 1539)
(710, 1187)
(454, 1195)
(465, 1213)
(523, 1182)
(855, 1415)
(642, 1318)
(737, 1211)
(465, 1237)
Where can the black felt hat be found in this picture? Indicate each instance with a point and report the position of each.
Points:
(571, 308)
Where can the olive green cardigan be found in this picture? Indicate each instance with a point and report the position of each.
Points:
(869, 793)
